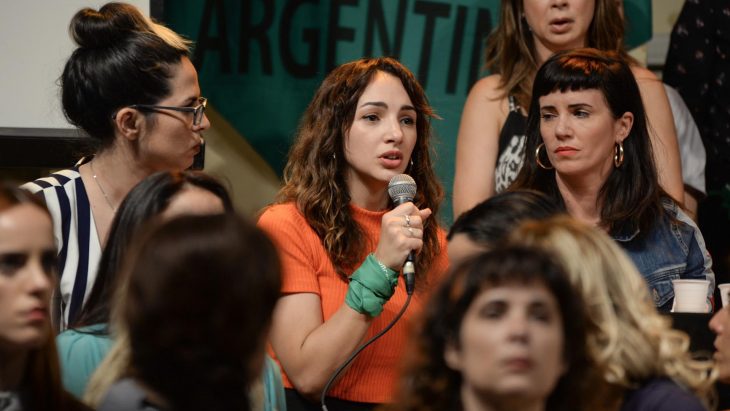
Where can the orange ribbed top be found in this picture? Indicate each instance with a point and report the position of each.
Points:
(308, 269)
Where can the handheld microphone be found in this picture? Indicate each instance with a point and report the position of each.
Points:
(402, 189)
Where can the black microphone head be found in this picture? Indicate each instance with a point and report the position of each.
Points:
(402, 189)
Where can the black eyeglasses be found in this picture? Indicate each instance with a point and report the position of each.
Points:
(197, 111)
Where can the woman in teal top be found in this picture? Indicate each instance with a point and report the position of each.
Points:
(80, 351)
(162, 195)
(84, 345)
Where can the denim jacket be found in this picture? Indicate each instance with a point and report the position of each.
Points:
(674, 248)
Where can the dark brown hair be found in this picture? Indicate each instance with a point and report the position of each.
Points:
(630, 198)
(146, 201)
(491, 221)
(428, 383)
(123, 58)
(199, 303)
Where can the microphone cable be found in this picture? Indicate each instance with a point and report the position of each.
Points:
(362, 347)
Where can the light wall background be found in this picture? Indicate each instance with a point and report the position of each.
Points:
(34, 45)
(664, 14)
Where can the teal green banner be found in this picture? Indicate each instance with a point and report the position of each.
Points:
(260, 61)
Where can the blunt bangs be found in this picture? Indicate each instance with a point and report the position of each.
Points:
(571, 74)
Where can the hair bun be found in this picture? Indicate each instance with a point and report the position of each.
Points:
(113, 22)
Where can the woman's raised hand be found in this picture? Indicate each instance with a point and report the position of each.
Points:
(401, 231)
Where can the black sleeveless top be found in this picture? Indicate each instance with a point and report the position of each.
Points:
(511, 147)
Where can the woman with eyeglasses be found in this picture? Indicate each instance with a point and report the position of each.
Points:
(131, 87)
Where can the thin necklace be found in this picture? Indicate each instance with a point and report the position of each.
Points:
(98, 184)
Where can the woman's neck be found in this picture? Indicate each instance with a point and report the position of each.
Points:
(12, 367)
(373, 198)
(543, 52)
(118, 171)
(581, 199)
(473, 401)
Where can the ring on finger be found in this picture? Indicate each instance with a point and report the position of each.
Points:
(408, 220)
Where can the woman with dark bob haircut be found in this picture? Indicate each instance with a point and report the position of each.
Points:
(130, 86)
(491, 142)
(87, 341)
(29, 371)
(198, 307)
(590, 152)
(343, 242)
(504, 331)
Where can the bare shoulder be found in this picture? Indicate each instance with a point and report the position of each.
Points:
(650, 86)
(487, 98)
(642, 74)
(489, 87)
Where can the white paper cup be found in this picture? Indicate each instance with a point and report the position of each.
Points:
(724, 293)
(690, 296)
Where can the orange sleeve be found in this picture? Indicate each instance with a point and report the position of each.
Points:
(293, 238)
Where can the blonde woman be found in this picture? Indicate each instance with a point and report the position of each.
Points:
(646, 364)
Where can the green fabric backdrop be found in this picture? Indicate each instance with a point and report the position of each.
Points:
(260, 61)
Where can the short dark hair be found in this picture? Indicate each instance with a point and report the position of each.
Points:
(630, 198)
(200, 300)
(430, 384)
(148, 199)
(123, 58)
(494, 218)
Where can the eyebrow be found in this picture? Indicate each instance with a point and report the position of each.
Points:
(571, 106)
(383, 105)
(190, 100)
(534, 301)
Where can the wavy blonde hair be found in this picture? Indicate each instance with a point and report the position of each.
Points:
(116, 364)
(632, 341)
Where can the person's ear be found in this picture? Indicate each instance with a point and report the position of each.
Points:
(452, 356)
(624, 124)
(128, 123)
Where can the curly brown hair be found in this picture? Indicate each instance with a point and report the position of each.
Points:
(428, 383)
(314, 176)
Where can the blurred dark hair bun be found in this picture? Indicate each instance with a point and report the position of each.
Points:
(113, 22)
(123, 58)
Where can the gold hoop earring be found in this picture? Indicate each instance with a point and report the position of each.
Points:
(618, 154)
(537, 158)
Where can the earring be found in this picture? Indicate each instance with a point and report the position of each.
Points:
(537, 158)
(409, 169)
(618, 155)
(524, 21)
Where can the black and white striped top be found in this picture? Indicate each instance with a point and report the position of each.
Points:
(79, 250)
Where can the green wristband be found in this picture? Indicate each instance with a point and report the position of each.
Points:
(371, 286)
